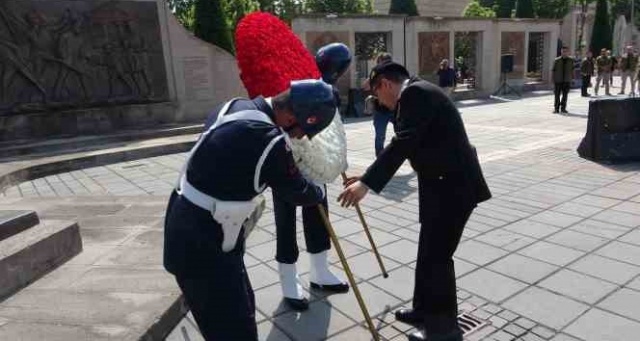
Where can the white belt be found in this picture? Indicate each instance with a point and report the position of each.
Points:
(231, 215)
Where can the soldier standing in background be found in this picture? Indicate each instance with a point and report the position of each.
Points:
(604, 65)
(628, 69)
(587, 69)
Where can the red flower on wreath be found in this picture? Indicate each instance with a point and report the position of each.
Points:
(270, 55)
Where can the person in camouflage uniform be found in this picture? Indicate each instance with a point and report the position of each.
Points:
(604, 65)
(628, 70)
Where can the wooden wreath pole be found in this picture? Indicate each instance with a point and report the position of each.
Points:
(368, 233)
(347, 270)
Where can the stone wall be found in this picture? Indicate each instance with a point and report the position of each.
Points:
(70, 65)
(428, 8)
(343, 29)
(201, 75)
(61, 54)
(420, 43)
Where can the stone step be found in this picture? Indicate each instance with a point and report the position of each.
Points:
(58, 146)
(28, 255)
(14, 222)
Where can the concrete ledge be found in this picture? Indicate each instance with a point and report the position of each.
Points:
(15, 150)
(16, 172)
(14, 222)
(85, 121)
(27, 256)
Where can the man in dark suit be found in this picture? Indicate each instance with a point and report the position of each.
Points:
(431, 135)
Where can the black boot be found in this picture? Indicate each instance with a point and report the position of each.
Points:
(410, 316)
(421, 335)
(296, 304)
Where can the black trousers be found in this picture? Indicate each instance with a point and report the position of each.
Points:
(315, 233)
(435, 279)
(585, 84)
(561, 89)
(222, 305)
(214, 283)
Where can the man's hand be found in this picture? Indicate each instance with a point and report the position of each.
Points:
(348, 181)
(353, 193)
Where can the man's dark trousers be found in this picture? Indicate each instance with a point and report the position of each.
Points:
(223, 305)
(561, 89)
(585, 84)
(210, 297)
(442, 224)
(315, 233)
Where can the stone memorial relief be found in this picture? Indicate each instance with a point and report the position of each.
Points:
(433, 48)
(75, 54)
(513, 43)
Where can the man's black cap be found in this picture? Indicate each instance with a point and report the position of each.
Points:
(387, 67)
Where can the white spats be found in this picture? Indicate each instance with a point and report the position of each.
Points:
(320, 272)
(290, 282)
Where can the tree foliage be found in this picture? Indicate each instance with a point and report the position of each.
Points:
(211, 24)
(407, 7)
(237, 9)
(623, 7)
(475, 10)
(552, 9)
(338, 6)
(504, 8)
(602, 36)
(185, 12)
(524, 9)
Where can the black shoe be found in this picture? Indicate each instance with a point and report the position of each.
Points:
(564, 111)
(417, 336)
(420, 336)
(555, 111)
(296, 304)
(409, 316)
(336, 288)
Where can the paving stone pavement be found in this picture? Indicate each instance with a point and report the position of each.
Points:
(554, 255)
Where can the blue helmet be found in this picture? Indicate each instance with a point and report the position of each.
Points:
(313, 105)
(333, 60)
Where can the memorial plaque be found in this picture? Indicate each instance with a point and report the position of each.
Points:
(197, 78)
(433, 48)
(513, 43)
(59, 54)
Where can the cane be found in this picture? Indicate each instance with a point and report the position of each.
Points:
(347, 270)
(368, 233)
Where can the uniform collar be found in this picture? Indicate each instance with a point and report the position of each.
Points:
(264, 105)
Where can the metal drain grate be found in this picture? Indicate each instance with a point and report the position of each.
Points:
(470, 324)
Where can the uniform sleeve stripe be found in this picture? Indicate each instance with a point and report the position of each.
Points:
(261, 160)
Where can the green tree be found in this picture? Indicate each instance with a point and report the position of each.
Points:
(267, 6)
(552, 9)
(623, 7)
(524, 9)
(602, 36)
(475, 10)
(338, 6)
(487, 3)
(184, 11)
(407, 7)
(211, 24)
(235, 10)
(504, 8)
